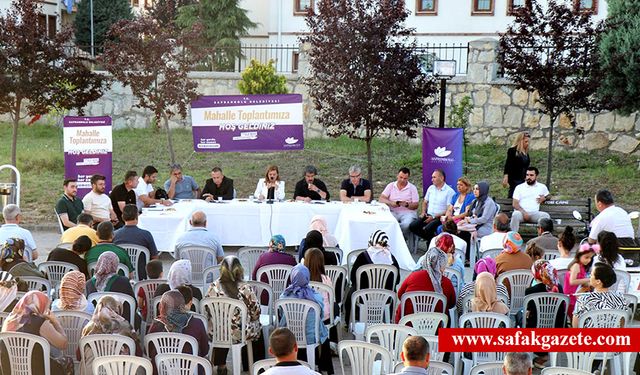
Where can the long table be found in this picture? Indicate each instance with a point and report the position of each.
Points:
(252, 223)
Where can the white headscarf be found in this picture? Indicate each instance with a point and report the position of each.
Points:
(179, 273)
(379, 248)
(319, 223)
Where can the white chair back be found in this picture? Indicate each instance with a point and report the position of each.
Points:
(490, 253)
(338, 276)
(563, 371)
(518, 282)
(169, 342)
(72, 322)
(376, 306)
(60, 226)
(336, 250)
(248, 257)
(182, 364)
(363, 356)
(561, 274)
(149, 287)
(295, 313)
(423, 302)
(376, 274)
(578, 360)
(221, 311)
(485, 320)
(209, 275)
(436, 355)
(322, 289)
(37, 283)
(390, 337)
(277, 276)
(632, 303)
(466, 302)
(548, 306)
(103, 346)
(351, 258)
(623, 282)
(454, 274)
(604, 319)
(265, 364)
(124, 299)
(200, 258)
(425, 323)
(55, 270)
(550, 254)
(122, 365)
(135, 252)
(488, 368)
(19, 347)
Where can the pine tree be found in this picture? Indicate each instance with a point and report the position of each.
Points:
(105, 14)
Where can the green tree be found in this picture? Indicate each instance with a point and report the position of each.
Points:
(260, 78)
(459, 118)
(105, 14)
(224, 23)
(620, 57)
(166, 11)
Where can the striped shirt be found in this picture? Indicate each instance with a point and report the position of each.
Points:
(610, 300)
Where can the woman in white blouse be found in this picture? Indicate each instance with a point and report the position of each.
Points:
(270, 181)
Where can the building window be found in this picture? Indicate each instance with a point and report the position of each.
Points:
(590, 6)
(294, 62)
(135, 3)
(52, 27)
(426, 7)
(301, 7)
(482, 7)
(514, 5)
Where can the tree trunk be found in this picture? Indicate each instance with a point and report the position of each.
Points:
(550, 151)
(14, 138)
(368, 140)
(172, 154)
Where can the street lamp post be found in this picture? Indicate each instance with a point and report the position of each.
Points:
(93, 55)
(444, 70)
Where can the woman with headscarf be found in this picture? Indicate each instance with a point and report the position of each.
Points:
(482, 265)
(485, 296)
(106, 279)
(179, 274)
(8, 292)
(31, 315)
(480, 213)
(275, 255)
(512, 258)
(173, 316)
(12, 259)
(319, 223)
(300, 289)
(231, 285)
(545, 281)
(72, 296)
(429, 279)
(446, 243)
(313, 240)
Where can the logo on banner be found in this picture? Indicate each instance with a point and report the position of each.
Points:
(442, 152)
(291, 140)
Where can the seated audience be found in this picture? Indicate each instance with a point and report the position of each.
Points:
(179, 274)
(69, 206)
(415, 356)
(534, 251)
(430, 279)
(130, 233)
(486, 297)
(602, 278)
(74, 256)
(275, 255)
(457, 208)
(8, 293)
(566, 243)
(231, 285)
(124, 194)
(154, 272)
(270, 187)
(512, 258)
(72, 296)
(402, 198)
(500, 229)
(300, 289)
(577, 279)
(482, 265)
(180, 186)
(83, 228)
(106, 279)
(451, 228)
(105, 239)
(612, 219)
(198, 235)
(32, 315)
(319, 223)
(355, 187)
(314, 260)
(310, 188)
(480, 213)
(11, 229)
(13, 260)
(97, 203)
(448, 247)
(545, 239)
(517, 364)
(313, 240)
(609, 251)
(283, 346)
(434, 207)
(217, 187)
(187, 294)
(173, 316)
(527, 198)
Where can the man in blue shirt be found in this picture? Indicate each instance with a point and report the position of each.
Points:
(131, 234)
(180, 186)
(199, 236)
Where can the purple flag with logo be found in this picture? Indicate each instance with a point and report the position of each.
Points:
(442, 149)
(87, 150)
(247, 123)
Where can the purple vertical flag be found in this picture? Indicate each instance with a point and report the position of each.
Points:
(442, 149)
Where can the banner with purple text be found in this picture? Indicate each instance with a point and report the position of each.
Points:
(87, 150)
(442, 149)
(247, 123)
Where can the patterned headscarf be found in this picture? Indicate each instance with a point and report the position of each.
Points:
(106, 319)
(179, 273)
(8, 292)
(231, 274)
(299, 287)
(512, 242)
(379, 248)
(486, 265)
(12, 252)
(172, 312)
(34, 303)
(434, 262)
(545, 273)
(72, 291)
(485, 297)
(319, 223)
(277, 243)
(106, 267)
(444, 242)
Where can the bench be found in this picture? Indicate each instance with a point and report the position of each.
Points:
(560, 210)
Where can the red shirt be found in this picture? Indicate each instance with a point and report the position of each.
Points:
(419, 281)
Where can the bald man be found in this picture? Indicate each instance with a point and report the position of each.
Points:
(415, 356)
(198, 235)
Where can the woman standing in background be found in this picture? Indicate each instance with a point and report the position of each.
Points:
(515, 167)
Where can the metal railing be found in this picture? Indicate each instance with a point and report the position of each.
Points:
(431, 52)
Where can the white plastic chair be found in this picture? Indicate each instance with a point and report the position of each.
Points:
(103, 346)
(423, 301)
(489, 368)
(490, 253)
(466, 302)
(481, 320)
(19, 347)
(122, 365)
(324, 288)
(561, 274)
(578, 360)
(125, 299)
(377, 275)
(248, 257)
(450, 273)
(351, 258)
(436, 355)
(54, 271)
(547, 306)
(519, 281)
(182, 364)
(336, 250)
(295, 312)
(265, 364)
(149, 287)
(266, 311)
(169, 342)
(72, 322)
(209, 276)
(550, 254)
(37, 283)
(390, 337)
(376, 306)
(363, 356)
(435, 368)
(60, 226)
(134, 251)
(563, 371)
(221, 311)
(339, 279)
(425, 323)
(603, 319)
(277, 276)
(200, 258)
(623, 282)
(632, 302)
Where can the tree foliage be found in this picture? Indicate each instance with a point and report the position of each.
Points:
(224, 23)
(260, 78)
(620, 57)
(154, 60)
(553, 51)
(365, 79)
(105, 14)
(37, 74)
(166, 11)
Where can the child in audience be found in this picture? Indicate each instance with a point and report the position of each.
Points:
(566, 242)
(188, 296)
(534, 251)
(154, 272)
(577, 279)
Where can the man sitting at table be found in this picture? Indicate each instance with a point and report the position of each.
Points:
(145, 193)
(124, 194)
(200, 236)
(402, 197)
(131, 234)
(355, 187)
(436, 201)
(180, 186)
(69, 206)
(310, 188)
(218, 186)
(97, 203)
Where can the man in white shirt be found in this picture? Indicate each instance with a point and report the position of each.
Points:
(11, 229)
(283, 346)
(527, 198)
(612, 219)
(415, 355)
(97, 203)
(436, 200)
(494, 240)
(145, 194)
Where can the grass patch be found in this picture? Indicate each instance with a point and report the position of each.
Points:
(41, 162)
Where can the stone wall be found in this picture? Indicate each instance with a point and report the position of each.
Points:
(499, 109)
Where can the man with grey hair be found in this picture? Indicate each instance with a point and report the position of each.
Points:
(517, 364)
(355, 187)
(415, 356)
(198, 235)
(12, 229)
(310, 188)
(500, 228)
(180, 186)
(545, 240)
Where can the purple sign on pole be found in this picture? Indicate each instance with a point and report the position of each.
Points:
(87, 150)
(442, 149)
(247, 123)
